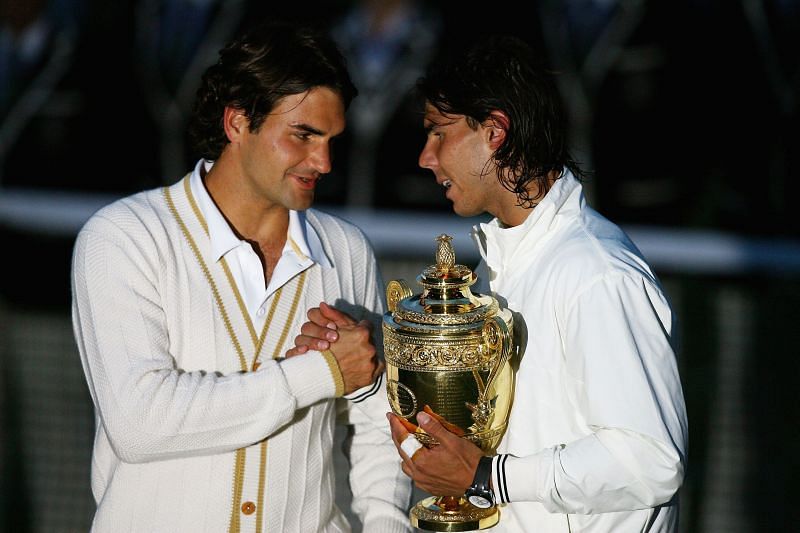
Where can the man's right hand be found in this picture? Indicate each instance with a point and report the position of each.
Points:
(349, 341)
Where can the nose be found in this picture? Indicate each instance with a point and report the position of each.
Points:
(321, 159)
(427, 158)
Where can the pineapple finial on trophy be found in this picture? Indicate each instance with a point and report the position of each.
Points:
(445, 254)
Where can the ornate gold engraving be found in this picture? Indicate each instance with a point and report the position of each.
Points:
(400, 396)
(470, 317)
(422, 354)
(396, 290)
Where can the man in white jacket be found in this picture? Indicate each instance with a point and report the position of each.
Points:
(186, 298)
(597, 435)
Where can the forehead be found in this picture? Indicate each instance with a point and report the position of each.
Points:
(432, 114)
(321, 108)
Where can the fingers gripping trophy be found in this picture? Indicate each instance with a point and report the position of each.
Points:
(447, 353)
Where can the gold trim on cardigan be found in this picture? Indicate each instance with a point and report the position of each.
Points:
(239, 300)
(239, 468)
(215, 291)
(296, 248)
(338, 378)
(238, 487)
(262, 478)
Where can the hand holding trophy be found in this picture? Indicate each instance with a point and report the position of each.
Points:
(447, 352)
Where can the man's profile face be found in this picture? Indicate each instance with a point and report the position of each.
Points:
(458, 156)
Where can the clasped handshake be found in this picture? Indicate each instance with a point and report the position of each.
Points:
(349, 341)
(445, 469)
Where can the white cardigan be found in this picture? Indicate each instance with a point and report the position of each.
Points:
(189, 437)
(596, 440)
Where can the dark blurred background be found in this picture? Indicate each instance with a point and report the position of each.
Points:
(685, 111)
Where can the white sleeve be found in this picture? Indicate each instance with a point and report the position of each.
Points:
(150, 409)
(616, 343)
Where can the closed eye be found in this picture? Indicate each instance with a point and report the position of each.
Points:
(305, 132)
(432, 130)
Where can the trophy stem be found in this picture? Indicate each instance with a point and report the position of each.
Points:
(451, 513)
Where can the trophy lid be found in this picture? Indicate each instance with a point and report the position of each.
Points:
(446, 299)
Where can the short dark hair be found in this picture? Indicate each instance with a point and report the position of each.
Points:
(254, 72)
(502, 72)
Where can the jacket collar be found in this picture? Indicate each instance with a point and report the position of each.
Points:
(499, 244)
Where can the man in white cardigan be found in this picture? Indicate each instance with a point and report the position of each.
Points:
(597, 435)
(187, 298)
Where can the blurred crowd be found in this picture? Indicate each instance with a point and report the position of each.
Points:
(684, 112)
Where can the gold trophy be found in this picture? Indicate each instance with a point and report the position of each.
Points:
(447, 351)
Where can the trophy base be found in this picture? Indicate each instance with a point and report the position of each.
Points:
(443, 513)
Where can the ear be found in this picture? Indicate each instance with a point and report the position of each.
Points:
(235, 123)
(496, 128)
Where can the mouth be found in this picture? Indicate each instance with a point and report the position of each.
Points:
(307, 182)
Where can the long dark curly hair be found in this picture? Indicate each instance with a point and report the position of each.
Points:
(254, 72)
(503, 73)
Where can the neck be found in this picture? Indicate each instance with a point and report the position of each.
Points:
(510, 213)
(264, 224)
(513, 215)
(506, 208)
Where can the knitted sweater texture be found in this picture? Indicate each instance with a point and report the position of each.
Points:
(191, 434)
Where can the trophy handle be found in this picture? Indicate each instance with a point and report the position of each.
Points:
(396, 290)
(497, 338)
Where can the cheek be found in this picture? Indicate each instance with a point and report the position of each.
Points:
(448, 155)
(276, 147)
(282, 153)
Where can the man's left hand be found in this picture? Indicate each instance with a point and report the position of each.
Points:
(444, 470)
(320, 330)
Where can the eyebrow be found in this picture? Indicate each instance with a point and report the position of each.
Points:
(308, 129)
(430, 123)
(312, 130)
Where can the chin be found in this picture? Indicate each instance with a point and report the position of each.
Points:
(464, 211)
(301, 204)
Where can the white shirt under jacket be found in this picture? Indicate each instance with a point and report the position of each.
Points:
(201, 425)
(597, 434)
